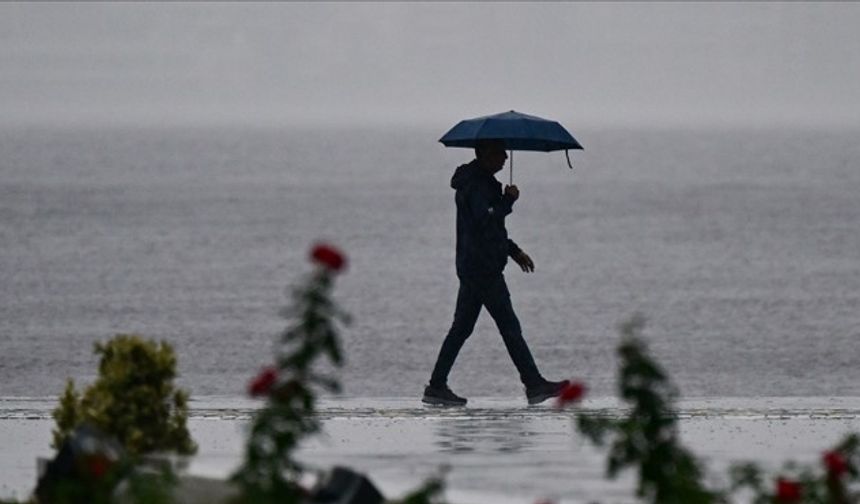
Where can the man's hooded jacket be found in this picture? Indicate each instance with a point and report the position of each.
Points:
(483, 246)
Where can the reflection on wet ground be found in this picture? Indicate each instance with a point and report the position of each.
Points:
(500, 435)
(498, 450)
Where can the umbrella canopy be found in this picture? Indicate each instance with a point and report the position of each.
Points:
(518, 131)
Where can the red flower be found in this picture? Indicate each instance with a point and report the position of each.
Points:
(263, 383)
(787, 491)
(328, 256)
(572, 392)
(835, 463)
(97, 466)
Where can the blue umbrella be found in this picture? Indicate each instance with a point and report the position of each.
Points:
(518, 131)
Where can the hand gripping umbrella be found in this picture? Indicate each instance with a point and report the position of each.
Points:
(518, 132)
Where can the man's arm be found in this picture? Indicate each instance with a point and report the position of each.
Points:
(514, 251)
(521, 258)
(482, 210)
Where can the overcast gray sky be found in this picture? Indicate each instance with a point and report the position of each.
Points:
(591, 64)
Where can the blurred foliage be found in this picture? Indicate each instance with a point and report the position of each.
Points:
(133, 399)
(809, 485)
(150, 487)
(124, 483)
(269, 473)
(647, 438)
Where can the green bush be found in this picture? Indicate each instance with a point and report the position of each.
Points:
(647, 439)
(133, 398)
(270, 473)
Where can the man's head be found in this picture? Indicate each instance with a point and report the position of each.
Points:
(491, 154)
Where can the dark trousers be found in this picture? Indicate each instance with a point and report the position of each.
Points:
(492, 293)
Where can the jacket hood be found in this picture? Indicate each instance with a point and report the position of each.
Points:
(464, 175)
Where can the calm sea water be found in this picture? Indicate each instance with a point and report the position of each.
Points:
(739, 246)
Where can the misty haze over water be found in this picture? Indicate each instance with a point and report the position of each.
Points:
(740, 247)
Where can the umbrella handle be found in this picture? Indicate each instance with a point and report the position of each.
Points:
(568, 159)
(511, 159)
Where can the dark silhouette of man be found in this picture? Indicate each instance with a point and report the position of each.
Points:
(483, 248)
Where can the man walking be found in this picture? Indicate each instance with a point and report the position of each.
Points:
(483, 248)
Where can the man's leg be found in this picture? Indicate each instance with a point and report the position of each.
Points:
(465, 316)
(497, 299)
